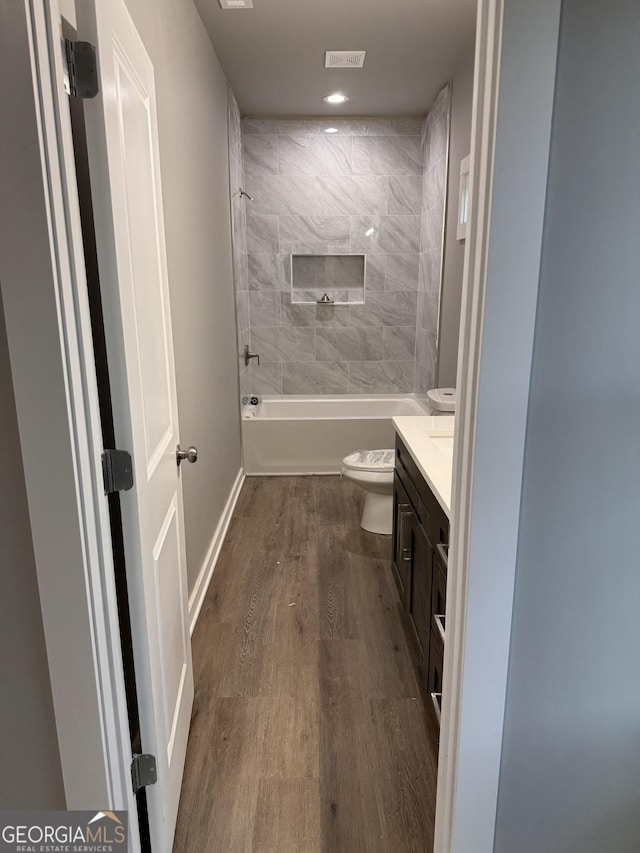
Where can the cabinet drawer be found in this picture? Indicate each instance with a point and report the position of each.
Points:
(434, 673)
(431, 515)
(440, 527)
(442, 556)
(439, 530)
(408, 484)
(438, 592)
(409, 470)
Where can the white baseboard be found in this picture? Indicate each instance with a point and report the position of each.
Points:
(197, 597)
(295, 473)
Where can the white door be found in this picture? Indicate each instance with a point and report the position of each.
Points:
(125, 176)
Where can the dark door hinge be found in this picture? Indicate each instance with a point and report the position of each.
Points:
(117, 470)
(82, 69)
(143, 771)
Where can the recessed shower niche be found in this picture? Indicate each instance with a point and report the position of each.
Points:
(328, 278)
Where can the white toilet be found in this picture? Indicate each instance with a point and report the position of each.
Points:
(373, 471)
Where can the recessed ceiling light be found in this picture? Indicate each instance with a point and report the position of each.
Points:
(331, 130)
(336, 98)
(236, 4)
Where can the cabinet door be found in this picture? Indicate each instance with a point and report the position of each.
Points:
(422, 567)
(403, 521)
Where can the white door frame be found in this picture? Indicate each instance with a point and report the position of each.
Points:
(501, 279)
(53, 370)
(514, 85)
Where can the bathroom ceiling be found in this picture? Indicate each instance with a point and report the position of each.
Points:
(273, 54)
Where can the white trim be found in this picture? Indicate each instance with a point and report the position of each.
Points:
(335, 473)
(199, 592)
(463, 198)
(502, 259)
(76, 334)
(49, 330)
(485, 96)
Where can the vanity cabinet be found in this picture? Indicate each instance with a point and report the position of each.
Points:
(420, 551)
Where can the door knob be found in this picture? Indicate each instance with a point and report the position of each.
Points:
(190, 454)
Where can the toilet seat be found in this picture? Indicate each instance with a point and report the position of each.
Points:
(378, 461)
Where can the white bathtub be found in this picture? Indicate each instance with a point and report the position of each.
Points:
(312, 435)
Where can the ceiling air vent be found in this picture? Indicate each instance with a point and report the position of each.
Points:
(236, 4)
(344, 58)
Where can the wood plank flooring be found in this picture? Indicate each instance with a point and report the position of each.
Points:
(309, 732)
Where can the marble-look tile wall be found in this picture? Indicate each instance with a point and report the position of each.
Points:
(435, 147)
(320, 193)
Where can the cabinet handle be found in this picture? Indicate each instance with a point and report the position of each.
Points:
(436, 699)
(405, 511)
(438, 619)
(444, 555)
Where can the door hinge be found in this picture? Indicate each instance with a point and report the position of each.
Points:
(81, 80)
(117, 470)
(143, 771)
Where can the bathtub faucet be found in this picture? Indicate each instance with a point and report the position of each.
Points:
(248, 355)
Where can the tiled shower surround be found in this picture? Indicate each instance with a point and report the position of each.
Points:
(319, 194)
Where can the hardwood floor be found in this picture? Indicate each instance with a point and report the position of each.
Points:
(309, 732)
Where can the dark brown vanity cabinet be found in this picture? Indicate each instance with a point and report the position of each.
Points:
(420, 547)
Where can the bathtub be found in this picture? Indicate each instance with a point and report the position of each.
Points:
(312, 435)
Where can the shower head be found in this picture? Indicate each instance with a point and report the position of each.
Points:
(243, 193)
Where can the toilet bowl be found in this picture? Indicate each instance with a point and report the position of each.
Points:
(373, 470)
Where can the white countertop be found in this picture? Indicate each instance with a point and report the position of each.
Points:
(429, 440)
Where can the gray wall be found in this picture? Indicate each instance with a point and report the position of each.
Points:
(570, 771)
(459, 147)
(192, 117)
(318, 193)
(30, 773)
